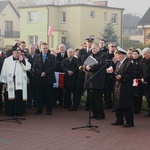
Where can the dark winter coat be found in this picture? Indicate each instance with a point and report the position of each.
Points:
(123, 89)
(48, 67)
(98, 80)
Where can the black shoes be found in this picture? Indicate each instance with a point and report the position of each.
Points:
(38, 112)
(147, 115)
(87, 109)
(72, 109)
(100, 117)
(117, 123)
(94, 116)
(128, 125)
(49, 113)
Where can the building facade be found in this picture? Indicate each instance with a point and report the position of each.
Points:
(71, 23)
(9, 24)
(144, 24)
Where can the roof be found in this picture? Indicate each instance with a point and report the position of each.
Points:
(130, 21)
(145, 20)
(3, 4)
(71, 5)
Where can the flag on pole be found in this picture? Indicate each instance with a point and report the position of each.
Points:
(50, 31)
(59, 80)
(135, 82)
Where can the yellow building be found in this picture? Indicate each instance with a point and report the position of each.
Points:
(9, 24)
(144, 23)
(71, 23)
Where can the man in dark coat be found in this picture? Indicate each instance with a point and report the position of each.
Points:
(145, 75)
(69, 67)
(83, 54)
(32, 90)
(109, 81)
(123, 90)
(61, 55)
(95, 86)
(44, 75)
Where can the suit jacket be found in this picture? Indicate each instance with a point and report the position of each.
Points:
(31, 73)
(59, 60)
(48, 67)
(70, 81)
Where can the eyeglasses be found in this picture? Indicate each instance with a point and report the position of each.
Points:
(113, 46)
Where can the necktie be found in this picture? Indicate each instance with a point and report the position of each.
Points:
(62, 55)
(44, 57)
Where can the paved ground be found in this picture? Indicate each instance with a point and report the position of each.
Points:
(42, 132)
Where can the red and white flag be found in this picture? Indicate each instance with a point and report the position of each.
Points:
(135, 82)
(50, 31)
(59, 80)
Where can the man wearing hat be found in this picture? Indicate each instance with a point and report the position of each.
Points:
(123, 89)
(13, 75)
(83, 54)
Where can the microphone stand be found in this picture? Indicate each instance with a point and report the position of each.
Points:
(15, 100)
(89, 124)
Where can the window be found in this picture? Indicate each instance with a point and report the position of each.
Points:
(33, 39)
(33, 16)
(63, 17)
(105, 16)
(114, 18)
(92, 14)
(8, 26)
(64, 40)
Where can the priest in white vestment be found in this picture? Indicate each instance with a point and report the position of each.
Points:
(14, 76)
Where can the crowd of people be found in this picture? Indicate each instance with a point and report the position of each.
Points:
(117, 80)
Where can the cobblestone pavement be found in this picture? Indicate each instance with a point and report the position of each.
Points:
(43, 132)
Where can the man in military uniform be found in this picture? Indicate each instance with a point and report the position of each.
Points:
(123, 89)
(83, 54)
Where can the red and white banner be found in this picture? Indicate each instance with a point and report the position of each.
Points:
(59, 80)
(50, 31)
(135, 82)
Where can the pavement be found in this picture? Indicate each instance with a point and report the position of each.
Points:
(43, 132)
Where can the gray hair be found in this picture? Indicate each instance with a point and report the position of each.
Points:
(146, 50)
(62, 45)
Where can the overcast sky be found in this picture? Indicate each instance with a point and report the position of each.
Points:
(138, 7)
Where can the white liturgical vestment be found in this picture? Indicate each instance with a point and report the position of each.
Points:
(14, 67)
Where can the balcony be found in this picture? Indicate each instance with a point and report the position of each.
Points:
(12, 34)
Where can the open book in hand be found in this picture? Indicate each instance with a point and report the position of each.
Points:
(90, 61)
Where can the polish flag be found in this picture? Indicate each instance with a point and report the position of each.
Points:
(135, 82)
(59, 80)
(50, 31)
(0, 53)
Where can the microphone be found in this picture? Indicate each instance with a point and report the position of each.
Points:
(109, 60)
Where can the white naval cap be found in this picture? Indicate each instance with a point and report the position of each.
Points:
(121, 50)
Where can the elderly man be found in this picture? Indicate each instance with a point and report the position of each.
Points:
(96, 87)
(145, 75)
(14, 75)
(69, 67)
(123, 90)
